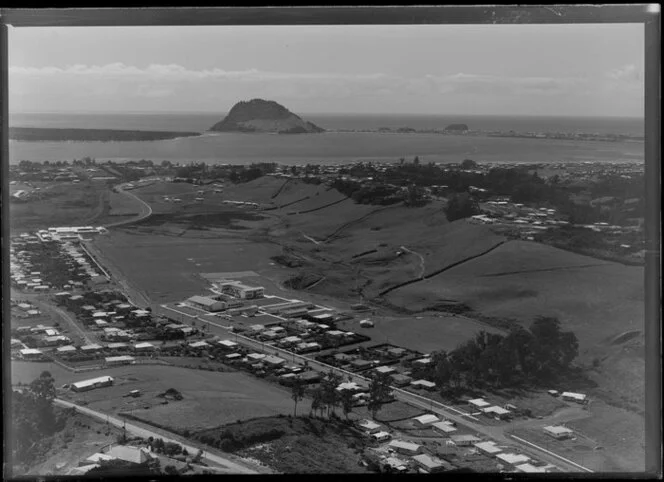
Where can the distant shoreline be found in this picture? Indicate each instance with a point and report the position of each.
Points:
(47, 134)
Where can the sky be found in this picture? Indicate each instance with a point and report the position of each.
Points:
(565, 70)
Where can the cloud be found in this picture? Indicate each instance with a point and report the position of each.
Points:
(628, 72)
(164, 86)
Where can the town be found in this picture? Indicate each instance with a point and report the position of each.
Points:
(302, 346)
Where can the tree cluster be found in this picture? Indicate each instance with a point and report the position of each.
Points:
(535, 356)
(33, 417)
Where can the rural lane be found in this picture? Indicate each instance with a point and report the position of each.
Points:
(230, 466)
(497, 433)
(146, 211)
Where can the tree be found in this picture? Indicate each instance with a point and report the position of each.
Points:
(461, 206)
(347, 402)
(170, 470)
(468, 164)
(329, 390)
(317, 401)
(416, 161)
(379, 389)
(297, 393)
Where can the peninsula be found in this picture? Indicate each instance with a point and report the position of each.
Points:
(32, 134)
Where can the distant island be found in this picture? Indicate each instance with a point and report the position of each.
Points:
(457, 127)
(258, 115)
(32, 134)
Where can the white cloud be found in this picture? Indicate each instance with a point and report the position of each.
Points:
(164, 86)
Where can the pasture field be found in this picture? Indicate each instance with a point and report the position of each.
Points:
(425, 333)
(211, 398)
(166, 268)
(522, 280)
(61, 204)
(619, 432)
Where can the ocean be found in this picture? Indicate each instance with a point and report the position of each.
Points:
(332, 146)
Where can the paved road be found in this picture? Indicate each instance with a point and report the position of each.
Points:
(497, 433)
(230, 466)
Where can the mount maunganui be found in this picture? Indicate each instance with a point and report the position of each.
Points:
(258, 115)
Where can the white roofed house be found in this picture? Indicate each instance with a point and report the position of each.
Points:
(496, 412)
(489, 448)
(479, 403)
(369, 426)
(512, 460)
(144, 347)
(558, 432)
(426, 419)
(574, 397)
(444, 428)
(405, 448)
(431, 465)
(464, 440)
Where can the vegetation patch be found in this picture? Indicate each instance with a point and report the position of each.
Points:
(292, 444)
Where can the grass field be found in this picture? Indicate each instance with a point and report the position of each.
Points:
(62, 204)
(425, 333)
(166, 268)
(210, 399)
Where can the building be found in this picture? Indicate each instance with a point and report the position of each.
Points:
(133, 455)
(91, 384)
(385, 370)
(369, 426)
(381, 436)
(558, 432)
(464, 440)
(426, 419)
(144, 347)
(405, 448)
(512, 460)
(199, 344)
(366, 323)
(274, 361)
(240, 290)
(497, 412)
(574, 397)
(530, 469)
(444, 428)
(425, 384)
(92, 348)
(206, 303)
(227, 344)
(431, 465)
(400, 380)
(31, 354)
(488, 448)
(119, 360)
(478, 403)
(66, 349)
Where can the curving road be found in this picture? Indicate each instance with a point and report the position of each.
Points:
(146, 211)
(228, 465)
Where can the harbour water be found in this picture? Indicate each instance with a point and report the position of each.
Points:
(332, 146)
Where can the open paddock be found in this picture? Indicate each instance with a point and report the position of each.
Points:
(425, 333)
(211, 398)
(166, 268)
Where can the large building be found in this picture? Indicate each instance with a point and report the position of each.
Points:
(92, 384)
(240, 290)
(206, 303)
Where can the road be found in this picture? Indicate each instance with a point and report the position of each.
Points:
(230, 466)
(146, 210)
(496, 433)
